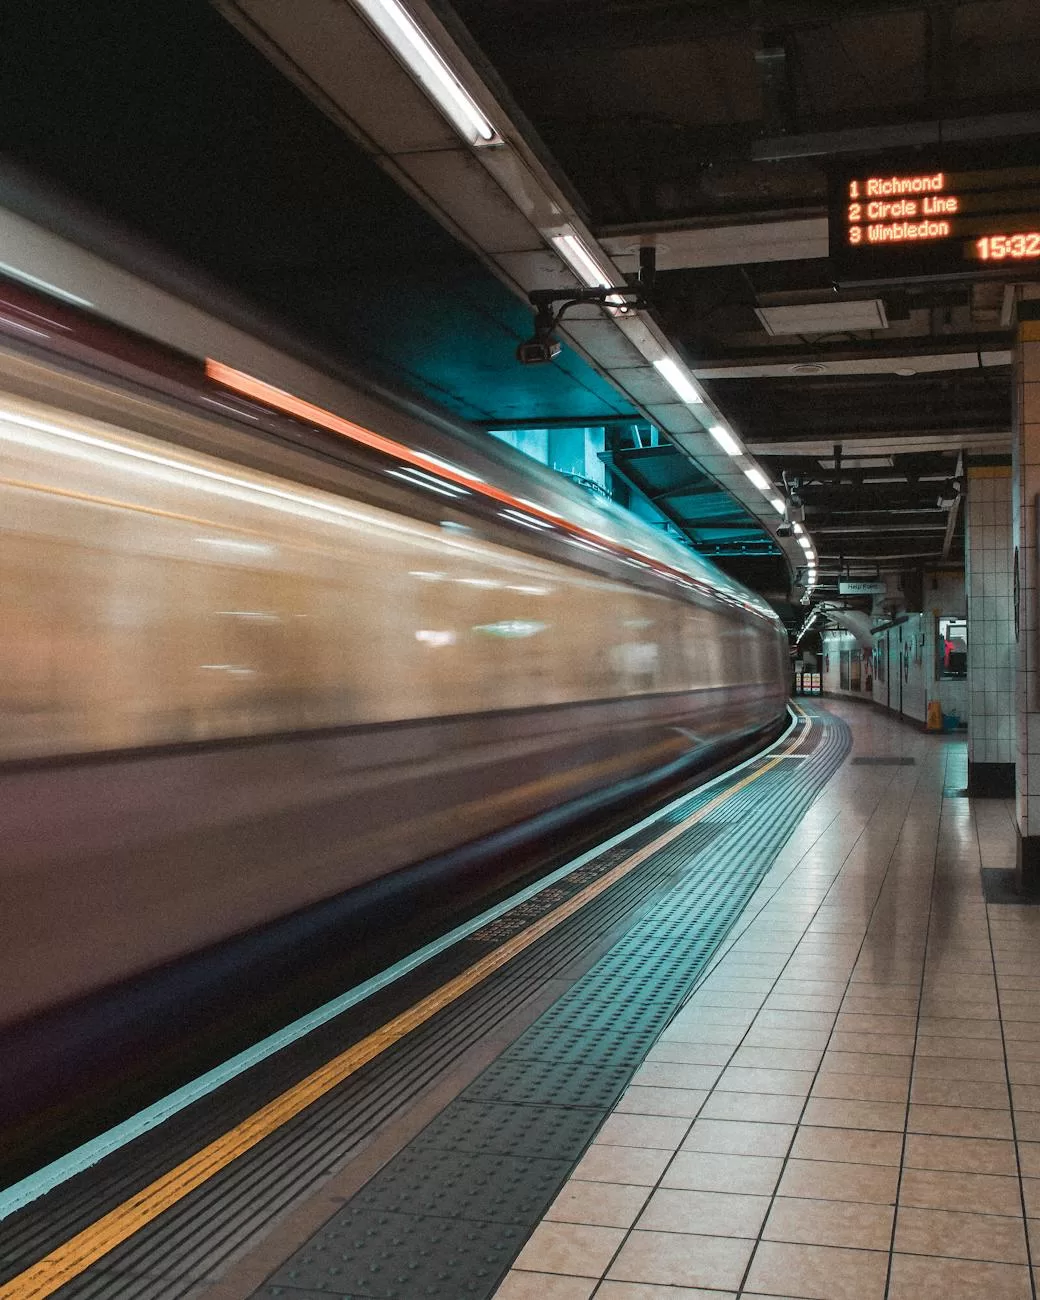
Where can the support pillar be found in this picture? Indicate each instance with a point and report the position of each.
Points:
(991, 633)
(1025, 446)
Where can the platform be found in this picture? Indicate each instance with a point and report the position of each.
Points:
(773, 1043)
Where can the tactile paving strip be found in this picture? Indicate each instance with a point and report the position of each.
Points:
(556, 1084)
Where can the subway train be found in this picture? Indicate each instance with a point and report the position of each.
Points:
(268, 637)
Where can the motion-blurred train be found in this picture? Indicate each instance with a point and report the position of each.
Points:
(266, 637)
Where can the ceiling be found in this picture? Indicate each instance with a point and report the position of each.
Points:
(707, 131)
(704, 130)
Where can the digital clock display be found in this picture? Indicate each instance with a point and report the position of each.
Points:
(914, 223)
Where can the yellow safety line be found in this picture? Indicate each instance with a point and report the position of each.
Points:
(105, 1234)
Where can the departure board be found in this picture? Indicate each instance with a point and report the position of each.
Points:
(922, 222)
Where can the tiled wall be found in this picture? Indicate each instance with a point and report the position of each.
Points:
(1025, 445)
(991, 634)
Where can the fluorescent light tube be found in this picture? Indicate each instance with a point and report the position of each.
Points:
(725, 439)
(45, 285)
(798, 529)
(758, 478)
(581, 261)
(778, 504)
(678, 382)
(805, 544)
(429, 67)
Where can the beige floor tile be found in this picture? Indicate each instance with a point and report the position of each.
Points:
(861, 1022)
(660, 1131)
(959, 1121)
(622, 1165)
(882, 1044)
(803, 1001)
(1024, 1071)
(707, 1171)
(861, 1087)
(773, 1108)
(830, 1223)
(867, 1063)
(648, 1291)
(1023, 1051)
(848, 1145)
(682, 1259)
(834, 1180)
(709, 997)
(963, 1155)
(812, 987)
(572, 1248)
(932, 1189)
(682, 1103)
(990, 1095)
(965, 1236)
(925, 1277)
(1029, 1159)
(733, 1017)
(544, 1286)
(719, 1035)
(1021, 1031)
(795, 1083)
(934, 1008)
(1026, 1096)
(684, 1053)
(988, 1049)
(1019, 1007)
(827, 1113)
(1031, 1196)
(777, 1058)
(764, 1036)
(958, 1067)
(956, 1027)
(818, 1272)
(710, 1214)
(879, 1005)
(604, 1205)
(1027, 1126)
(667, 1074)
(737, 1138)
(794, 1020)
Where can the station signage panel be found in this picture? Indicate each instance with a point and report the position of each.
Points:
(913, 223)
(847, 587)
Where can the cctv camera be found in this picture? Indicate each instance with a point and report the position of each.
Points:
(784, 530)
(537, 351)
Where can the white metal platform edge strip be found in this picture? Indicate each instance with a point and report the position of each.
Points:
(90, 1153)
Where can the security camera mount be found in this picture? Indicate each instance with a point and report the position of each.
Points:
(551, 305)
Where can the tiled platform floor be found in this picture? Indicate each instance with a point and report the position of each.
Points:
(849, 1108)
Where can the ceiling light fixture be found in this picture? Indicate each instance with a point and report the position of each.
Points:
(593, 273)
(429, 67)
(678, 381)
(579, 257)
(778, 504)
(758, 478)
(725, 439)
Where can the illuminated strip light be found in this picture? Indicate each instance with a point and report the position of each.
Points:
(778, 504)
(725, 439)
(589, 270)
(45, 285)
(758, 478)
(678, 381)
(430, 486)
(277, 399)
(429, 67)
